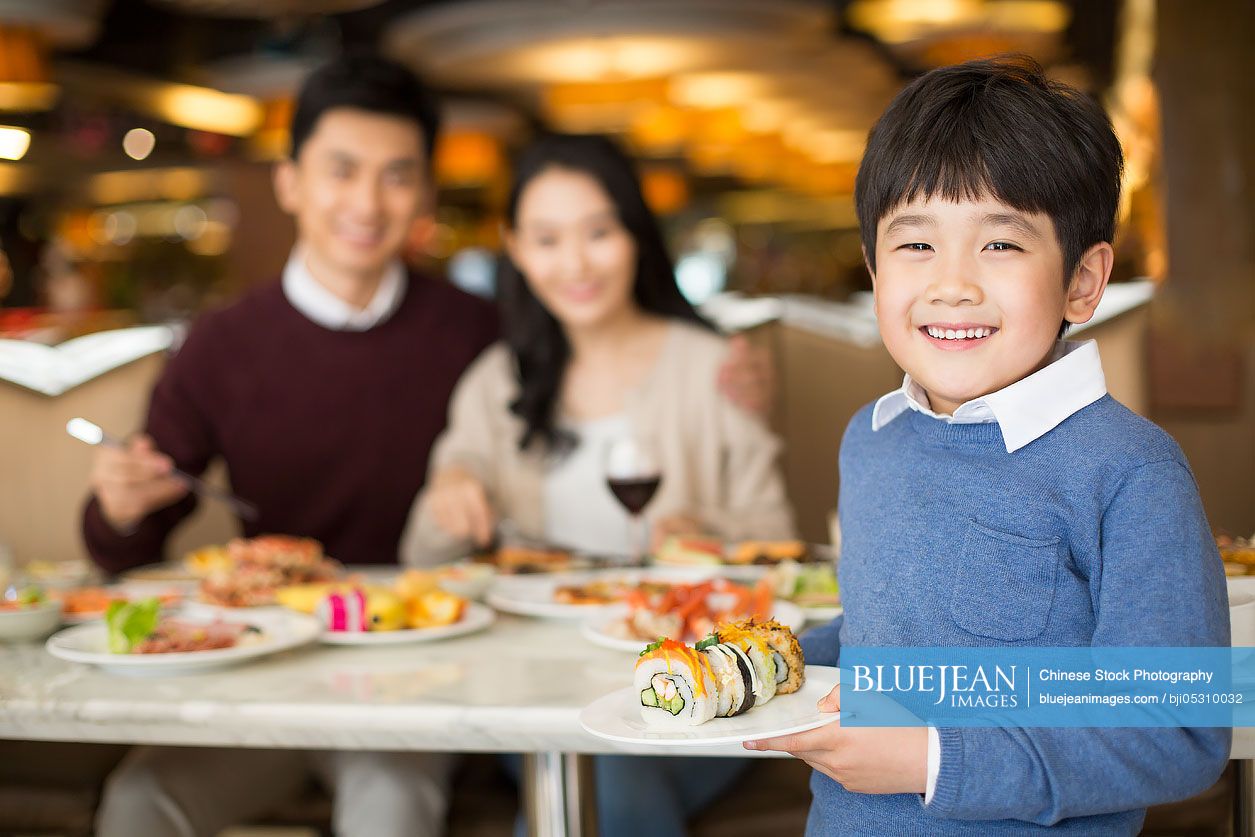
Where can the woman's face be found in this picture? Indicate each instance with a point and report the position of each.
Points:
(575, 254)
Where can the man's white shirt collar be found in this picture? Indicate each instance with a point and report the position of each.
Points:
(329, 311)
(1025, 410)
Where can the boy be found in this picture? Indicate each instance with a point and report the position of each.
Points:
(1001, 497)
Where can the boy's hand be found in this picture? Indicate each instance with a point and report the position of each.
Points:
(860, 759)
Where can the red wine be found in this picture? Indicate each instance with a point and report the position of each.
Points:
(636, 493)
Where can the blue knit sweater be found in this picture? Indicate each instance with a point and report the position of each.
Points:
(1091, 535)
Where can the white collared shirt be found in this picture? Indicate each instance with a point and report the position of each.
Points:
(1025, 410)
(326, 309)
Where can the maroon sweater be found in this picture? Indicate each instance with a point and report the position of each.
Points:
(327, 432)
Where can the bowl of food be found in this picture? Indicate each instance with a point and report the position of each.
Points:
(26, 613)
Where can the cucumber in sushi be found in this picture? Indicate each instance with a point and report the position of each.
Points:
(675, 685)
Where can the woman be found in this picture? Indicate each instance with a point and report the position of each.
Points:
(599, 345)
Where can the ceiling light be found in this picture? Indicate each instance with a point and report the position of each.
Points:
(13, 142)
(139, 143)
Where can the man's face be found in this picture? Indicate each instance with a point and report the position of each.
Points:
(358, 184)
(969, 295)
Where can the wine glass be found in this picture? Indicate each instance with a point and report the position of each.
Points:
(633, 475)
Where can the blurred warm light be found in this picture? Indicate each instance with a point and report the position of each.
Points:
(468, 158)
(601, 105)
(25, 83)
(14, 179)
(190, 221)
(593, 59)
(665, 189)
(21, 96)
(116, 187)
(715, 90)
(138, 143)
(721, 126)
(712, 159)
(214, 239)
(659, 129)
(766, 116)
(204, 109)
(833, 145)
(13, 142)
(900, 21)
(271, 140)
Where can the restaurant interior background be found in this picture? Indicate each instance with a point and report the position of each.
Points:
(136, 190)
(136, 139)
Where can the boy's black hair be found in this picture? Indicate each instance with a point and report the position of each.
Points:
(996, 128)
(364, 81)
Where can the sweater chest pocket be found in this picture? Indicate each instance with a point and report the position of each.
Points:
(1005, 584)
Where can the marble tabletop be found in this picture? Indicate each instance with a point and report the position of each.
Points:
(519, 686)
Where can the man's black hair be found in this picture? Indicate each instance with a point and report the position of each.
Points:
(365, 81)
(996, 128)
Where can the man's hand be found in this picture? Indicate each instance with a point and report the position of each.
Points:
(860, 759)
(132, 482)
(460, 507)
(748, 377)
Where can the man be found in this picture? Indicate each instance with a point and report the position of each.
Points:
(323, 393)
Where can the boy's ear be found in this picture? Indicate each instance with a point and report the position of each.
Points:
(286, 189)
(1089, 281)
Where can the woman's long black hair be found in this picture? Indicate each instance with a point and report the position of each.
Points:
(534, 336)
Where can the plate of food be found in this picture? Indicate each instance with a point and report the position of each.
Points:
(812, 587)
(528, 560)
(746, 681)
(413, 608)
(137, 638)
(253, 569)
(686, 612)
(577, 595)
(685, 551)
(85, 604)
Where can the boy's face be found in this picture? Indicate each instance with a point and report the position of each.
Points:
(355, 189)
(979, 269)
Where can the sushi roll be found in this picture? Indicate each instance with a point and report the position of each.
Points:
(786, 653)
(676, 685)
(743, 636)
(734, 677)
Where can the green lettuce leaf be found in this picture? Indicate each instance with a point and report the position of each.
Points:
(130, 623)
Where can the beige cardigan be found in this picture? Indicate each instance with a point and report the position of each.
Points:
(718, 461)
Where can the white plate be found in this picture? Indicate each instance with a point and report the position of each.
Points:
(532, 595)
(617, 717)
(281, 630)
(476, 618)
(595, 629)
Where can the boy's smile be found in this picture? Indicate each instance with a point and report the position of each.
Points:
(970, 295)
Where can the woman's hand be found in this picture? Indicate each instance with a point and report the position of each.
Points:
(460, 506)
(860, 759)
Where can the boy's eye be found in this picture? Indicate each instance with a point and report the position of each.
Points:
(917, 246)
(1001, 246)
